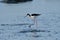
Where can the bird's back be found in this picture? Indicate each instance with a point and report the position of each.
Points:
(36, 14)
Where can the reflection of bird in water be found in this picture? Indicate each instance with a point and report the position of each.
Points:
(33, 17)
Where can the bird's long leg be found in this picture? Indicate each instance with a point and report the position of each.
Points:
(35, 22)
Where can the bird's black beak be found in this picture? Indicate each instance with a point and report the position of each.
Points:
(25, 16)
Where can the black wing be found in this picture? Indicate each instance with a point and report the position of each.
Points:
(36, 14)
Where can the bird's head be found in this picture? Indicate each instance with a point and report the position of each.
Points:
(27, 15)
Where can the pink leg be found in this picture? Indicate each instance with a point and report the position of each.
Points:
(35, 22)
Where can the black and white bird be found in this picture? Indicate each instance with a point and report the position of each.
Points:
(33, 17)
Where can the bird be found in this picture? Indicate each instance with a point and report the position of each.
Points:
(33, 17)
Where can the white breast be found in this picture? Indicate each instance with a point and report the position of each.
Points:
(32, 17)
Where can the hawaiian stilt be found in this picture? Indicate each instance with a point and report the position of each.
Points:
(33, 17)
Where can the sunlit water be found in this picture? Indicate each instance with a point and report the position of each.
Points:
(15, 13)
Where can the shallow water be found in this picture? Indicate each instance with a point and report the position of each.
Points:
(13, 14)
